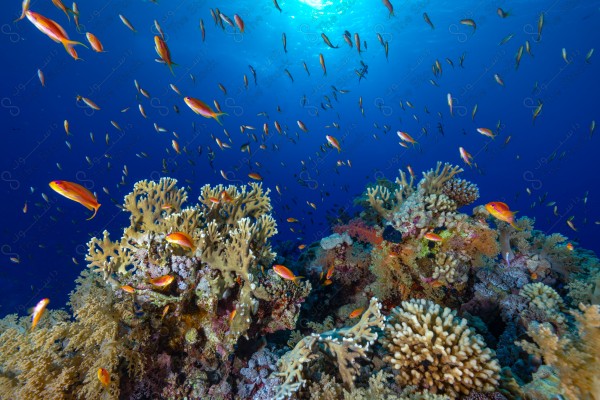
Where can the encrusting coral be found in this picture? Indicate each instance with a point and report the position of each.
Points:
(431, 348)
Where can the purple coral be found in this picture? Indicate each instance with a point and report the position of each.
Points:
(256, 380)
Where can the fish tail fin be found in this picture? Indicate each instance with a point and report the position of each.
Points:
(217, 116)
(516, 227)
(67, 43)
(95, 211)
(296, 279)
(171, 68)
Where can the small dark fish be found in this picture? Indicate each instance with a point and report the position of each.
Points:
(289, 74)
(426, 18)
(284, 41)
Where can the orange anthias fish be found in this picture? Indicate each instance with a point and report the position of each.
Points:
(94, 42)
(162, 281)
(330, 272)
(78, 193)
(163, 52)
(466, 157)
(334, 142)
(103, 377)
(181, 239)
(25, 7)
(201, 108)
(406, 137)
(433, 237)
(239, 22)
(356, 312)
(128, 289)
(285, 273)
(38, 310)
(255, 175)
(502, 212)
(52, 29)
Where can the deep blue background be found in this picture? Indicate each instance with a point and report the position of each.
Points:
(33, 135)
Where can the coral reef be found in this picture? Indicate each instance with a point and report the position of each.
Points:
(185, 304)
(432, 348)
(345, 346)
(574, 357)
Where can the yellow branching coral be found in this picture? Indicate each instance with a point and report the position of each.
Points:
(434, 180)
(148, 200)
(345, 346)
(576, 358)
(432, 348)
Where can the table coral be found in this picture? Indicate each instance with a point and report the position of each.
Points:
(432, 348)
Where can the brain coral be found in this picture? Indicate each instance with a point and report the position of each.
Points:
(434, 349)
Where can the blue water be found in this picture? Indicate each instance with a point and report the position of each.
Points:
(48, 237)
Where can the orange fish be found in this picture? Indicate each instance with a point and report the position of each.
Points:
(436, 284)
(433, 237)
(486, 132)
(330, 272)
(175, 146)
(128, 289)
(162, 281)
(302, 126)
(232, 315)
(51, 29)
(302, 246)
(226, 197)
(25, 7)
(285, 273)
(38, 310)
(88, 102)
(165, 311)
(255, 175)
(163, 52)
(406, 137)
(59, 4)
(181, 239)
(356, 312)
(292, 220)
(201, 108)
(570, 247)
(166, 207)
(466, 157)
(94, 42)
(239, 22)
(390, 7)
(502, 212)
(78, 193)
(103, 377)
(334, 142)
(327, 282)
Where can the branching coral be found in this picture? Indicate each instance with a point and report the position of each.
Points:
(576, 358)
(220, 290)
(345, 346)
(432, 348)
